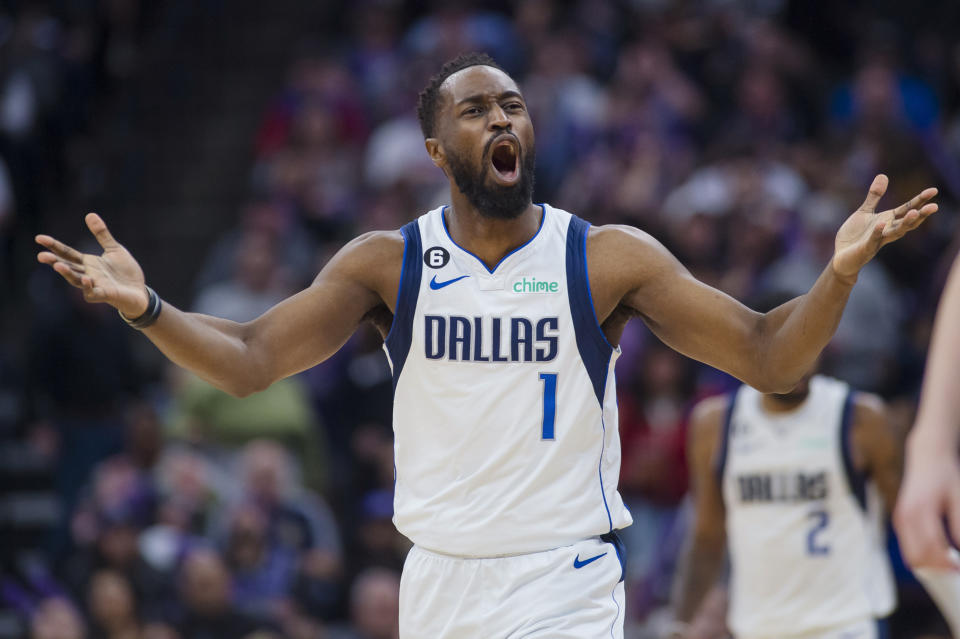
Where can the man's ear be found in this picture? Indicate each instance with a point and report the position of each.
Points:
(435, 151)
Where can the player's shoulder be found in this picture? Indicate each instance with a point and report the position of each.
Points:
(372, 260)
(709, 413)
(374, 243)
(620, 237)
(706, 428)
(373, 250)
(869, 403)
(869, 410)
(627, 250)
(707, 418)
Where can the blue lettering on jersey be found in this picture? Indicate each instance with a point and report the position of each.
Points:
(782, 487)
(478, 340)
(435, 325)
(456, 338)
(495, 356)
(521, 334)
(459, 338)
(551, 340)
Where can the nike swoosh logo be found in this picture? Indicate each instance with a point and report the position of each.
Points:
(435, 285)
(580, 564)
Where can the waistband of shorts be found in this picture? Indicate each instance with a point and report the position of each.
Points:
(445, 555)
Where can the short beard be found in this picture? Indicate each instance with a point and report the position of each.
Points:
(496, 202)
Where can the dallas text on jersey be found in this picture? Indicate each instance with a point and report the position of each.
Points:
(790, 487)
(483, 339)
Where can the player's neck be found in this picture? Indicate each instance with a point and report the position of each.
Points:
(490, 239)
(783, 403)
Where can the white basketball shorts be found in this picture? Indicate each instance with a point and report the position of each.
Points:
(572, 592)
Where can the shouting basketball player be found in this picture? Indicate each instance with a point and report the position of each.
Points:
(500, 319)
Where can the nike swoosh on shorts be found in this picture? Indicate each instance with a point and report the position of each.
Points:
(580, 564)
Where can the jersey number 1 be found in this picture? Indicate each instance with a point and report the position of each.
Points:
(549, 404)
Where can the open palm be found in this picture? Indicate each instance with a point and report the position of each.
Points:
(114, 277)
(864, 232)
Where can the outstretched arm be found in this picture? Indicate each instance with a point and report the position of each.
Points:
(241, 358)
(702, 556)
(931, 486)
(771, 351)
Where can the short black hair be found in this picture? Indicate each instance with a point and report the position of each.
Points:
(427, 101)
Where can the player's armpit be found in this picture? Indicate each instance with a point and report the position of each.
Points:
(702, 557)
(877, 447)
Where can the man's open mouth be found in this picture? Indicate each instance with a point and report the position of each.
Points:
(505, 159)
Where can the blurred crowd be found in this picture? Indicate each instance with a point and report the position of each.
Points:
(739, 134)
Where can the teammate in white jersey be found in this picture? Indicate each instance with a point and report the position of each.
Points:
(500, 318)
(795, 487)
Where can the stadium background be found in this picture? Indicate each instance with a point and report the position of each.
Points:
(234, 145)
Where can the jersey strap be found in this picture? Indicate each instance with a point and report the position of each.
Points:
(720, 461)
(595, 350)
(855, 479)
(401, 332)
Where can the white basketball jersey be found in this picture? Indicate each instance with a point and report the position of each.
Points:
(804, 530)
(505, 414)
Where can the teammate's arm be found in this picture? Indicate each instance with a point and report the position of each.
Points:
(771, 351)
(241, 358)
(877, 447)
(931, 487)
(701, 559)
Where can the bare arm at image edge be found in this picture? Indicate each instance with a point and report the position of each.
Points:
(931, 485)
(881, 449)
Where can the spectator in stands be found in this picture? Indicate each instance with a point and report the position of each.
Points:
(297, 522)
(221, 423)
(208, 608)
(268, 218)
(377, 542)
(116, 548)
(189, 491)
(57, 618)
(112, 607)
(374, 606)
(257, 283)
(263, 569)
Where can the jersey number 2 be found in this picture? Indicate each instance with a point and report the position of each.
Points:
(821, 520)
(549, 405)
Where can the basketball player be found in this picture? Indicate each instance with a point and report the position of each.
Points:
(502, 342)
(779, 480)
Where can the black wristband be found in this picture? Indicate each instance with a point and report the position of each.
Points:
(149, 316)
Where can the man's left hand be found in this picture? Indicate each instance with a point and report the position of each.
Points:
(865, 231)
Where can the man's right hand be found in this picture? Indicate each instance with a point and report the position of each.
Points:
(114, 277)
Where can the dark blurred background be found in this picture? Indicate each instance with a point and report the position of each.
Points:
(234, 145)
